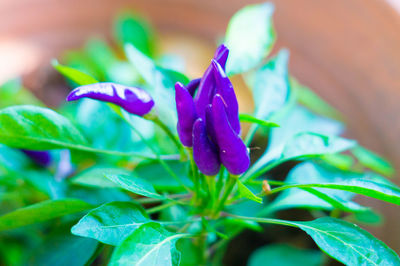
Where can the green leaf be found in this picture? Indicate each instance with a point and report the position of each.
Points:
(251, 119)
(348, 243)
(341, 240)
(134, 184)
(155, 173)
(338, 160)
(160, 83)
(231, 226)
(308, 144)
(190, 253)
(75, 75)
(304, 145)
(95, 177)
(372, 161)
(270, 86)
(42, 211)
(245, 192)
(311, 172)
(149, 245)
(294, 121)
(249, 36)
(57, 250)
(285, 255)
(118, 135)
(313, 102)
(111, 223)
(37, 128)
(13, 93)
(133, 29)
(359, 186)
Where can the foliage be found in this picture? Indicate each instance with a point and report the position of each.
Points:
(122, 190)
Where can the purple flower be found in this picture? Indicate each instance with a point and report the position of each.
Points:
(207, 86)
(233, 152)
(42, 158)
(133, 100)
(205, 153)
(213, 118)
(193, 85)
(224, 87)
(186, 114)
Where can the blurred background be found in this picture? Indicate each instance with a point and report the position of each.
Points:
(348, 51)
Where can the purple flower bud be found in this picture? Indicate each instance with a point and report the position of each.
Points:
(207, 86)
(225, 89)
(221, 55)
(205, 92)
(193, 85)
(186, 114)
(233, 152)
(42, 158)
(210, 124)
(133, 100)
(205, 154)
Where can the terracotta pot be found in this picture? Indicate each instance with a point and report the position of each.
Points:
(346, 50)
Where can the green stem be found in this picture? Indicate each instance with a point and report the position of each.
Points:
(170, 197)
(250, 134)
(228, 189)
(211, 189)
(195, 174)
(263, 220)
(250, 176)
(220, 183)
(271, 182)
(161, 207)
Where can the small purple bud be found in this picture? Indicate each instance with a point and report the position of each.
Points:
(207, 86)
(225, 89)
(186, 114)
(205, 154)
(221, 55)
(232, 151)
(42, 158)
(193, 85)
(210, 124)
(205, 92)
(133, 100)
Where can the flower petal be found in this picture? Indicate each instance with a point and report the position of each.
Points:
(193, 85)
(134, 100)
(205, 154)
(221, 55)
(225, 89)
(206, 89)
(233, 152)
(186, 114)
(210, 124)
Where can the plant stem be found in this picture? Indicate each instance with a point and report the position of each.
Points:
(211, 189)
(161, 207)
(250, 134)
(171, 197)
(195, 174)
(228, 189)
(263, 220)
(220, 183)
